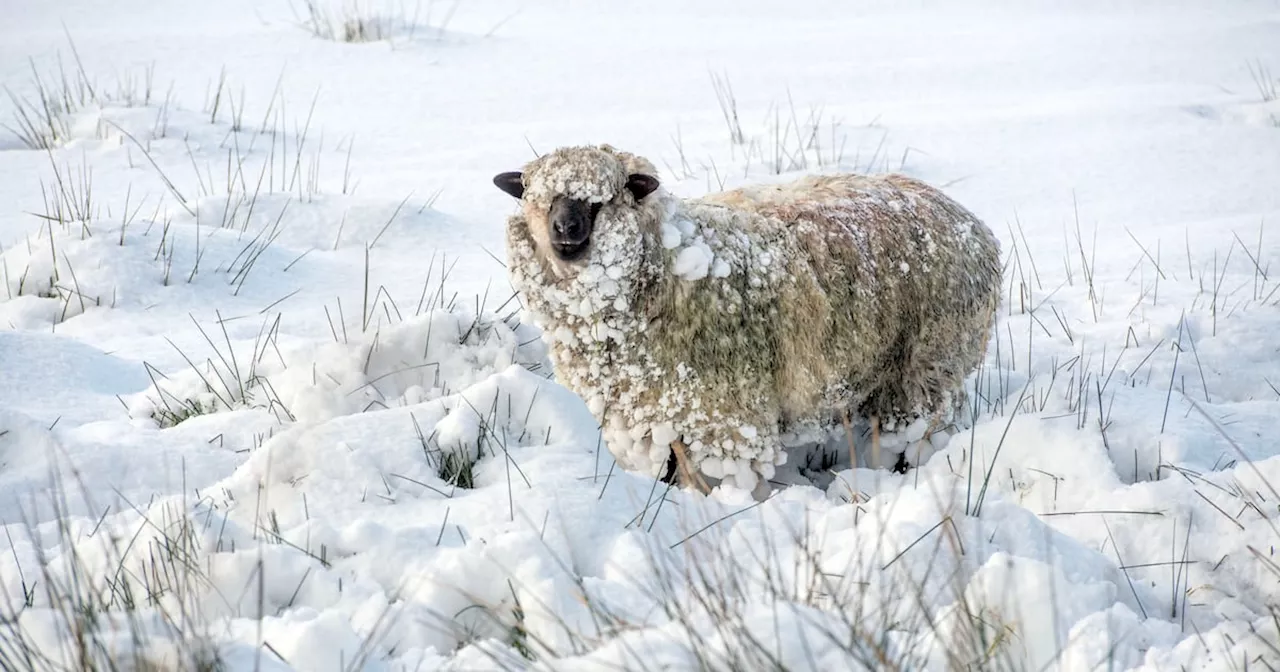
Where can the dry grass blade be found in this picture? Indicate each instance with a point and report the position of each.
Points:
(173, 189)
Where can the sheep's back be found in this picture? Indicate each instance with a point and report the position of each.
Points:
(893, 237)
(883, 261)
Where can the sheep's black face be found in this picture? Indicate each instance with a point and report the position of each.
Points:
(571, 223)
(560, 224)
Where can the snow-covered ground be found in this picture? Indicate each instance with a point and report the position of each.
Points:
(257, 337)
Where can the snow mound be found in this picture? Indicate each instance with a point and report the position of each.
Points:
(420, 359)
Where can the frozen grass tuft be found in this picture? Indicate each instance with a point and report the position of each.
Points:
(728, 107)
(1265, 81)
(355, 22)
(457, 470)
(40, 121)
(788, 139)
(380, 358)
(43, 118)
(122, 594)
(43, 268)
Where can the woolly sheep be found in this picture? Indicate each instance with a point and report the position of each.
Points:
(701, 332)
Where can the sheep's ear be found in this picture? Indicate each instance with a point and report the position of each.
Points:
(641, 185)
(512, 183)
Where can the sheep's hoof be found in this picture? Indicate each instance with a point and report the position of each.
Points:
(918, 448)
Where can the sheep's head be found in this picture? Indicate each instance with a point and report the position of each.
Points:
(563, 193)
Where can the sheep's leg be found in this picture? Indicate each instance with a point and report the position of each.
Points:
(690, 475)
(848, 436)
(935, 423)
(875, 440)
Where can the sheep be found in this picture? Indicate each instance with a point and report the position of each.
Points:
(702, 332)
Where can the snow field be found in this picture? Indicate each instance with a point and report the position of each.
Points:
(257, 405)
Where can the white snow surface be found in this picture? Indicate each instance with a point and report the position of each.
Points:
(236, 381)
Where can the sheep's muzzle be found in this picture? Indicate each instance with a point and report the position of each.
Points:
(571, 222)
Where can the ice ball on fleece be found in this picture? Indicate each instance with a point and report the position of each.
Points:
(693, 262)
(919, 452)
(664, 434)
(671, 237)
(747, 480)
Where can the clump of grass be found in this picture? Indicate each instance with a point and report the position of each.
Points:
(69, 212)
(519, 632)
(142, 614)
(40, 119)
(788, 139)
(456, 469)
(226, 379)
(40, 122)
(455, 464)
(354, 22)
(225, 382)
(70, 198)
(1267, 84)
(728, 107)
(181, 411)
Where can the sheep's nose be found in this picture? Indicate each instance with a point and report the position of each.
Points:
(570, 219)
(569, 228)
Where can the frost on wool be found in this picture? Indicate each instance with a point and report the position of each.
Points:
(729, 321)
